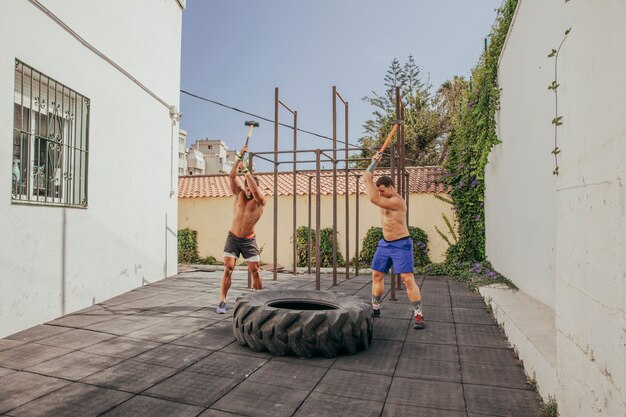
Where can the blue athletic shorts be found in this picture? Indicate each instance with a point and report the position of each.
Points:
(397, 252)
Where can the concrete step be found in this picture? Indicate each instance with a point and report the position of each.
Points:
(530, 327)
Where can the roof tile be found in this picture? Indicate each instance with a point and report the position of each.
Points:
(421, 180)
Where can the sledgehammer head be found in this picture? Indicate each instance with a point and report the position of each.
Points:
(251, 123)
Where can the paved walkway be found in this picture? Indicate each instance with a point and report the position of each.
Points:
(160, 350)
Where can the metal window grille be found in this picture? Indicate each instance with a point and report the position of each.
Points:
(50, 141)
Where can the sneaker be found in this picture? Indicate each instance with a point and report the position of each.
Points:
(419, 321)
(376, 312)
(221, 309)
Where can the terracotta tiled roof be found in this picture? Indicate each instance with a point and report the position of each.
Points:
(421, 180)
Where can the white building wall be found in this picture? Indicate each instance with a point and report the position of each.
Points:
(583, 217)
(591, 236)
(520, 199)
(56, 260)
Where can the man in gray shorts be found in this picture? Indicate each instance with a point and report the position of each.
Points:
(247, 210)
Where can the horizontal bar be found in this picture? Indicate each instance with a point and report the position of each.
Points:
(314, 150)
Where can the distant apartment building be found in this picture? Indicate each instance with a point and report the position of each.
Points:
(195, 163)
(182, 152)
(205, 157)
(215, 155)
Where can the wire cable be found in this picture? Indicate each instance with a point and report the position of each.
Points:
(261, 117)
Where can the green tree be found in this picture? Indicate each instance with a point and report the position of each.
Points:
(450, 100)
(423, 127)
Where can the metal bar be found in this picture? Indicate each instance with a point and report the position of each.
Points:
(317, 222)
(295, 163)
(275, 254)
(87, 104)
(261, 157)
(82, 155)
(50, 130)
(250, 162)
(308, 248)
(347, 193)
(310, 160)
(408, 197)
(334, 186)
(341, 98)
(65, 160)
(294, 127)
(22, 140)
(74, 138)
(400, 150)
(33, 123)
(356, 226)
(400, 173)
(315, 150)
(330, 158)
(391, 272)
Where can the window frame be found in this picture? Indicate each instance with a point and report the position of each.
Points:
(61, 141)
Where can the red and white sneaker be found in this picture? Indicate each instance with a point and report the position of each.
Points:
(419, 321)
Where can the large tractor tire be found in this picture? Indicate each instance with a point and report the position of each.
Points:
(303, 322)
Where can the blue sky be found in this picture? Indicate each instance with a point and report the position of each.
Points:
(237, 51)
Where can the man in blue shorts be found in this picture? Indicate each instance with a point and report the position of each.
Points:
(241, 240)
(396, 246)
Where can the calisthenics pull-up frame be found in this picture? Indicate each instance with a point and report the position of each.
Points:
(400, 179)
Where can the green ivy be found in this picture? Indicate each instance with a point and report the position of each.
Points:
(374, 234)
(187, 246)
(472, 135)
(326, 248)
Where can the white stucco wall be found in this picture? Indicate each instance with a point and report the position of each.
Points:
(56, 260)
(520, 199)
(578, 218)
(212, 218)
(591, 236)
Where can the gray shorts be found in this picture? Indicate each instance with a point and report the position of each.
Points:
(243, 246)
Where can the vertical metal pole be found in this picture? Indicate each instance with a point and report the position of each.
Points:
(250, 162)
(399, 177)
(347, 196)
(356, 226)
(275, 277)
(408, 195)
(393, 171)
(398, 141)
(334, 185)
(295, 164)
(308, 248)
(401, 163)
(317, 218)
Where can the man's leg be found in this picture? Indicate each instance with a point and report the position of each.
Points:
(378, 288)
(381, 262)
(415, 297)
(255, 273)
(229, 267)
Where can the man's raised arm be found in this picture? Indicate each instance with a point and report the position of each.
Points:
(393, 203)
(234, 185)
(257, 194)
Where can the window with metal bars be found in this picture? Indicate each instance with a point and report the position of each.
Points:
(50, 141)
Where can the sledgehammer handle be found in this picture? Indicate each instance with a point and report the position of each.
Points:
(382, 148)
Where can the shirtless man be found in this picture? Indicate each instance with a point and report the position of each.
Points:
(396, 246)
(247, 210)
